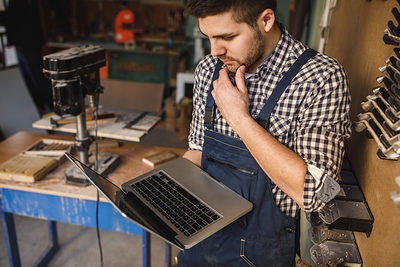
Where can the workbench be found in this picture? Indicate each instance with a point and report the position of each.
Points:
(56, 201)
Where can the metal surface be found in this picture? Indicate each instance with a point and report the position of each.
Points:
(10, 236)
(82, 137)
(384, 151)
(74, 74)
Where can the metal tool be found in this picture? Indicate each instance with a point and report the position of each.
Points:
(391, 85)
(74, 74)
(390, 136)
(347, 215)
(131, 123)
(378, 133)
(390, 39)
(393, 73)
(383, 113)
(395, 62)
(321, 233)
(395, 30)
(397, 51)
(391, 101)
(333, 253)
(350, 192)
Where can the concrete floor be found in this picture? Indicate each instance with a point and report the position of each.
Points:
(78, 245)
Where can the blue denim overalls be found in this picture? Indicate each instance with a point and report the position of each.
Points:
(265, 236)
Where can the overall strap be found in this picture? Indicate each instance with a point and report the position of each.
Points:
(265, 113)
(210, 104)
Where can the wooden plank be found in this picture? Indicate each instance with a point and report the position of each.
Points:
(355, 39)
(27, 169)
(109, 128)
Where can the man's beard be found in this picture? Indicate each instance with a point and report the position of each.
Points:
(254, 54)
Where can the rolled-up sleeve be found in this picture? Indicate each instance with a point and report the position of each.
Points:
(202, 81)
(324, 124)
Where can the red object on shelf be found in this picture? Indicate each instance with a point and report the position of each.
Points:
(124, 26)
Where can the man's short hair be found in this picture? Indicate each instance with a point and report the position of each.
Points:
(246, 11)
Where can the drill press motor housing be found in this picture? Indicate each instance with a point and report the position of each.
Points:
(74, 73)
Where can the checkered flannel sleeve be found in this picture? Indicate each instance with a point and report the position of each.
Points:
(202, 80)
(324, 124)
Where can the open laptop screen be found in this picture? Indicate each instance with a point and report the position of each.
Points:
(127, 204)
(105, 186)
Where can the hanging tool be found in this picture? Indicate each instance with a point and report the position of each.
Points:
(395, 30)
(382, 113)
(391, 36)
(388, 97)
(390, 39)
(395, 62)
(389, 84)
(394, 74)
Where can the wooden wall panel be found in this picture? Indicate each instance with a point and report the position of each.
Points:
(355, 39)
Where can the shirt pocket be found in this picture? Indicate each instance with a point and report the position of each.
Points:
(280, 128)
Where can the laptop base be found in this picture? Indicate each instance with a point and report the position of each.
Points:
(106, 164)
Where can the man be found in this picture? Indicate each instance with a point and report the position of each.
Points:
(269, 121)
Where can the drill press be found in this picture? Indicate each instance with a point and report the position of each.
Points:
(74, 74)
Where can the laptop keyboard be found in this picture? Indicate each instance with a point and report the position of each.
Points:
(177, 205)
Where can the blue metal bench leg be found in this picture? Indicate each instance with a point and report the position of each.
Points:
(167, 254)
(12, 244)
(146, 245)
(11, 237)
(53, 247)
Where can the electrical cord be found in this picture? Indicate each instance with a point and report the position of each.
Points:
(98, 194)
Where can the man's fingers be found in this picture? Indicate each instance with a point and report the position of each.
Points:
(223, 75)
(239, 78)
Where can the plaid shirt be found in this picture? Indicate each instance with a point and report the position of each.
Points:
(311, 117)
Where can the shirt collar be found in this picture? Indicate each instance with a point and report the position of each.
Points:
(275, 61)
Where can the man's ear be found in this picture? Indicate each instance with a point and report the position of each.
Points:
(266, 20)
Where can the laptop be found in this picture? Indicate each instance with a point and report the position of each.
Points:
(178, 201)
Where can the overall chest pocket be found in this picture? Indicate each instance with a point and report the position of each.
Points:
(239, 178)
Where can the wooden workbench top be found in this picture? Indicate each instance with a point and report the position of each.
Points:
(53, 183)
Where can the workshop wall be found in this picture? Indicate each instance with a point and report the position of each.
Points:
(66, 20)
(355, 39)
